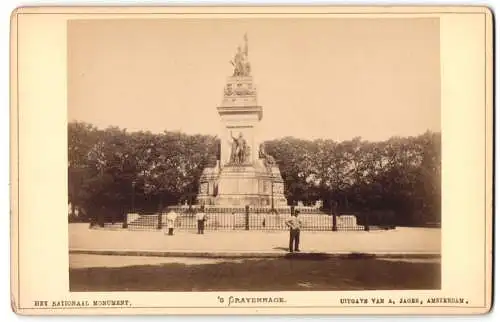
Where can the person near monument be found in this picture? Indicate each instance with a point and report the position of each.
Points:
(201, 217)
(171, 217)
(294, 223)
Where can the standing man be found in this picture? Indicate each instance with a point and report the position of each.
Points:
(201, 217)
(171, 217)
(294, 223)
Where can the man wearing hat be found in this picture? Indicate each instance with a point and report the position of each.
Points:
(294, 223)
(201, 217)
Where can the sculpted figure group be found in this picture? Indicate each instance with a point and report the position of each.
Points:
(240, 62)
(239, 150)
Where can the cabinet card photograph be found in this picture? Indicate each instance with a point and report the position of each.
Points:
(251, 160)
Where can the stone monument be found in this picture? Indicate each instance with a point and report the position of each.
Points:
(245, 174)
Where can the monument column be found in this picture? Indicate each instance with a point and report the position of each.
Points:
(242, 177)
(240, 115)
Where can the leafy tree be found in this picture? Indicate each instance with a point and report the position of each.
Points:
(108, 168)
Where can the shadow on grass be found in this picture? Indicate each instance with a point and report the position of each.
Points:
(316, 271)
(325, 256)
(357, 256)
(307, 256)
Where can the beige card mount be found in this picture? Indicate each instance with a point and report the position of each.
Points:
(251, 160)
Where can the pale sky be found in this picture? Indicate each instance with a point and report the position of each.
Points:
(315, 78)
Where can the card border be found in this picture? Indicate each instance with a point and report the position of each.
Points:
(16, 206)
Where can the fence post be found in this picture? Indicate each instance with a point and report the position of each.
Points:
(160, 212)
(100, 219)
(159, 226)
(125, 221)
(334, 220)
(367, 227)
(247, 217)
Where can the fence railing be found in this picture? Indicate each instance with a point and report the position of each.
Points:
(254, 219)
(251, 209)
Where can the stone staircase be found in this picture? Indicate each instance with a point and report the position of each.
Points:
(144, 222)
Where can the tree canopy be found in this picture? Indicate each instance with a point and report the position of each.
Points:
(110, 169)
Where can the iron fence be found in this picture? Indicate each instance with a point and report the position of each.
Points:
(239, 218)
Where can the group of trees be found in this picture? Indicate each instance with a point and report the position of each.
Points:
(401, 176)
(112, 172)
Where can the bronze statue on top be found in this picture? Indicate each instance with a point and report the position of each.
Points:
(240, 62)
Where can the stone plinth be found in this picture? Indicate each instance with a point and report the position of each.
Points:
(208, 185)
(252, 185)
(240, 93)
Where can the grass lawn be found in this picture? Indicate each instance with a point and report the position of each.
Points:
(282, 274)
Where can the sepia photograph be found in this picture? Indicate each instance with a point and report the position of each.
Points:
(254, 154)
(251, 160)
